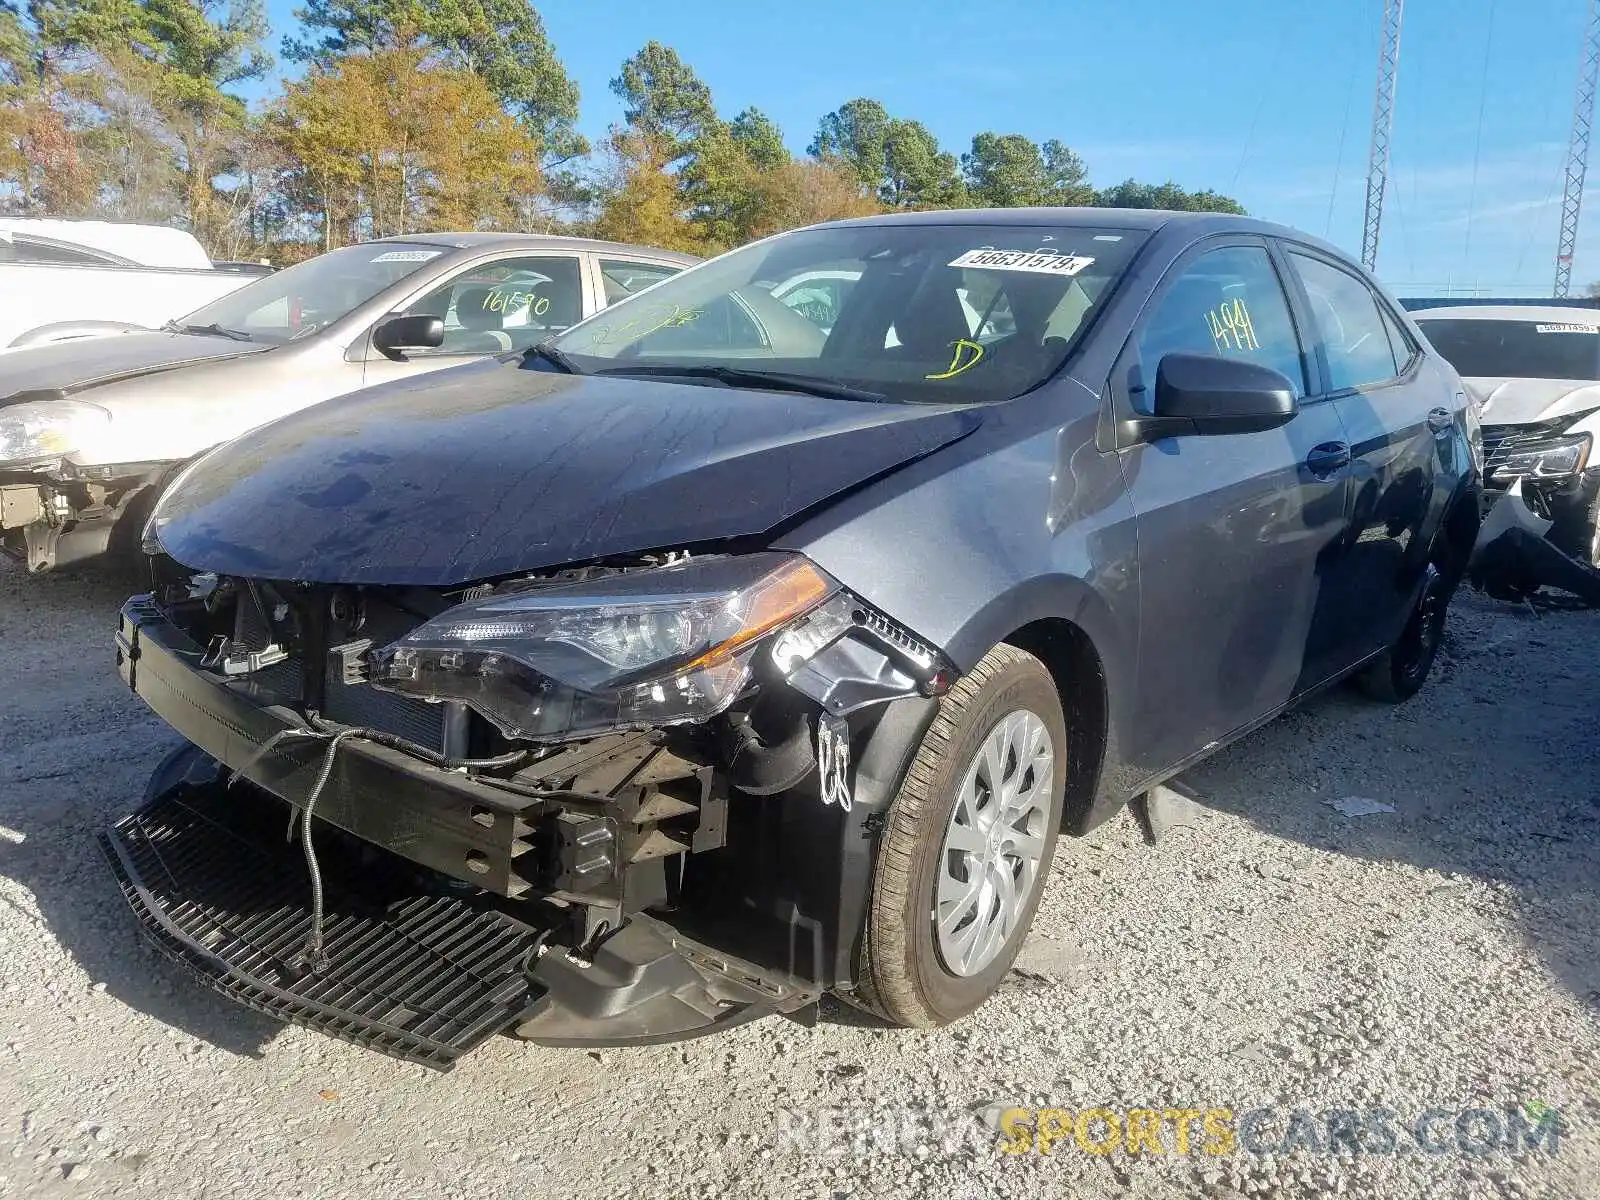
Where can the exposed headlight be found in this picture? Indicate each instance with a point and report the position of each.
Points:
(1544, 460)
(664, 646)
(42, 429)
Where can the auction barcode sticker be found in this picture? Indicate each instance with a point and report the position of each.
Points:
(1044, 262)
(407, 255)
(1567, 328)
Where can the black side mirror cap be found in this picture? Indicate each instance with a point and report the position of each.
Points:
(1208, 394)
(396, 334)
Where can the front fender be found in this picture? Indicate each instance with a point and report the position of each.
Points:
(1023, 521)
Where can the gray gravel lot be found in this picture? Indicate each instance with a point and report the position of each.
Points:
(1270, 953)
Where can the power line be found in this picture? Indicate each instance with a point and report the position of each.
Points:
(1338, 162)
(1268, 87)
(1477, 144)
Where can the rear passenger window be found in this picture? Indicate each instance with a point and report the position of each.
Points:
(623, 278)
(1401, 342)
(1348, 324)
(1228, 302)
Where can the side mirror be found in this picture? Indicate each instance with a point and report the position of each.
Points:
(394, 335)
(1206, 394)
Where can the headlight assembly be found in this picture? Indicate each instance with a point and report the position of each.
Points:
(664, 646)
(48, 429)
(1542, 460)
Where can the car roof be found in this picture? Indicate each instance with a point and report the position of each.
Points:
(1555, 314)
(1149, 219)
(1145, 220)
(535, 241)
(147, 245)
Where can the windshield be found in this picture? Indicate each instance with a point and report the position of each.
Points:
(1487, 349)
(302, 299)
(933, 313)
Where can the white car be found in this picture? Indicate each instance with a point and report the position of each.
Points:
(71, 279)
(1535, 372)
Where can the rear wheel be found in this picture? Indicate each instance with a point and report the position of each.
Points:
(969, 843)
(1399, 673)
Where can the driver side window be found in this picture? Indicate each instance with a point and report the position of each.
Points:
(505, 305)
(1228, 302)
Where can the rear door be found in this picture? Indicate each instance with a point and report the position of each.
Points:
(1235, 530)
(1396, 417)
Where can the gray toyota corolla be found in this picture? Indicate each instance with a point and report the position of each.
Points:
(753, 639)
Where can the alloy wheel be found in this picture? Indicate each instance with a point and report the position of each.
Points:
(994, 841)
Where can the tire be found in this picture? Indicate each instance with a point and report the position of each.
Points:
(1400, 671)
(1576, 530)
(902, 972)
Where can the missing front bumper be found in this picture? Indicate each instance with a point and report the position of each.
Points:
(445, 905)
(416, 967)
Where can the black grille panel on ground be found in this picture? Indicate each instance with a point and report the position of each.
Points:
(410, 973)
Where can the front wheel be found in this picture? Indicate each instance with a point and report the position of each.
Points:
(968, 845)
(1577, 522)
(1400, 671)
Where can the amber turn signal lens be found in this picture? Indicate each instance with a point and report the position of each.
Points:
(794, 588)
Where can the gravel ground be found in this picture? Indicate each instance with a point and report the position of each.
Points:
(1271, 952)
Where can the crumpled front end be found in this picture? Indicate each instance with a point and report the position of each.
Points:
(628, 803)
(57, 514)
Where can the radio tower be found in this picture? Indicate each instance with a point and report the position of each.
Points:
(1578, 152)
(1382, 120)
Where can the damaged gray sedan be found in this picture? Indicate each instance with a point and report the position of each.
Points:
(753, 639)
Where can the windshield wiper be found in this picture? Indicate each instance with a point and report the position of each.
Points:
(556, 358)
(751, 377)
(214, 329)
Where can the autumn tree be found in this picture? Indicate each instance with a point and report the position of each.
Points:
(503, 42)
(641, 199)
(42, 164)
(143, 119)
(804, 192)
(394, 141)
(187, 55)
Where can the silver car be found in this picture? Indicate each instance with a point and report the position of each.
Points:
(91, 429)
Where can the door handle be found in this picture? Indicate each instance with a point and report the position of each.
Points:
(1328, 458)
(1440, 420)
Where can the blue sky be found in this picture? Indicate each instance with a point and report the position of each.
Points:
(1268, 100)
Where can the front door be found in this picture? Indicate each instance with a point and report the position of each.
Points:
(1234, 531)
(491, 308)
(1392, 409)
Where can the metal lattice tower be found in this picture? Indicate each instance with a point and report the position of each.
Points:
(1578, 152)
(1382, 120)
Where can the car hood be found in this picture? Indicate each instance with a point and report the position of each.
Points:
(1530, 401)
(82, 364)
(490, 469)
